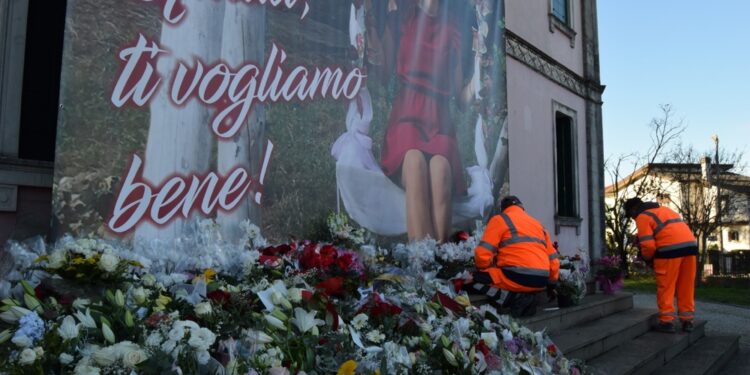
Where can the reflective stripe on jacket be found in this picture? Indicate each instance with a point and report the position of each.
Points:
(663, 234)
(518, 244)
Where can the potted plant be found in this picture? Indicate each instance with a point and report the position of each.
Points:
(609, 275)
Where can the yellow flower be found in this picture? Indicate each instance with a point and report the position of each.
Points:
(347, 368)
(207, 276)
(162, 302)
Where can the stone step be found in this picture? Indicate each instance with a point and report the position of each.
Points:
(706, 357)
(591, 308)
(646, 353)
(590, 339)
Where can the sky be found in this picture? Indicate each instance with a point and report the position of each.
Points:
(694, 55)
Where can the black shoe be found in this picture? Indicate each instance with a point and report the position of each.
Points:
(687, 326)
(665, 327)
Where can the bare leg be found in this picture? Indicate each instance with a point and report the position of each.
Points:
(440, 182)
(414, 177)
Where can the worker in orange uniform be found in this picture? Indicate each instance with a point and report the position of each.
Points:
(516, 256)
(664, 238)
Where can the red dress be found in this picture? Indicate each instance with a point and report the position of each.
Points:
(420, 118)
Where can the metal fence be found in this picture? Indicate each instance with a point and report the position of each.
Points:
(730, 263)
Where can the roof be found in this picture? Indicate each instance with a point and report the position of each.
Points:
(728, 180)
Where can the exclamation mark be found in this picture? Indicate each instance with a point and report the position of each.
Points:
(266, 159)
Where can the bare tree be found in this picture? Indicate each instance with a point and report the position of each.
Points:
(630, 174)
(701, 200)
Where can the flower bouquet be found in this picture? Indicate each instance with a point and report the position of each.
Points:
(571, 286)
(609, 275)
(295, 308)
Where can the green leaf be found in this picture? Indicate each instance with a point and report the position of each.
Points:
(27, 288)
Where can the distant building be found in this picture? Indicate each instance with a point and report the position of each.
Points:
(677, 185)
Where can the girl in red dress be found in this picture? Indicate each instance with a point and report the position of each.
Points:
(420, 149)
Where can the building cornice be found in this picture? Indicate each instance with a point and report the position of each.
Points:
(523, 51)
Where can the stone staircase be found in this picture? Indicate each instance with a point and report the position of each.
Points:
(615, 338)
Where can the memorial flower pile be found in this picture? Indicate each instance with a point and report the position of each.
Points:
(301, 307)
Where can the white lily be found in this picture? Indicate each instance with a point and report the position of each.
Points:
(108, 334)
(304, 320)
(14, 314)
(86, 319)
(68, 330)
(275, 322)
(258, 337)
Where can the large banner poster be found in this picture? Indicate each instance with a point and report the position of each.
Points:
(280, 112)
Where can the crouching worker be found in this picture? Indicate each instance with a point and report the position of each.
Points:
(667, 241)
(515, 260)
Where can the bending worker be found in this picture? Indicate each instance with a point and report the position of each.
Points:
(666, 239)
(517, 256)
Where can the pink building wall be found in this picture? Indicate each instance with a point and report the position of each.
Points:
(530, 20)
(531, 95)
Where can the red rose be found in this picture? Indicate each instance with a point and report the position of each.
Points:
(38, 292)
(461, 236)
(333, 286)
(345, 262)
(219, 296)
(449, 303)
(552, 350)
(268, 260)
(483, 348)
(307, 295)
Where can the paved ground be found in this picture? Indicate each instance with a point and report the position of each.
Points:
(722, 320)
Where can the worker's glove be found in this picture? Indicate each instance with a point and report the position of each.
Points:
(551, 292)
(648, 262)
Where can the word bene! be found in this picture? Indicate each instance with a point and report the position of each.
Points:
(231, 91)
(179, 196)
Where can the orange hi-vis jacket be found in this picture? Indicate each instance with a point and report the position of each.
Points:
(516, 247)
(663, 234)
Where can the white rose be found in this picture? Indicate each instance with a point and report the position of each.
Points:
(203, 308)
(154, 339)
(176, 334)
(66, 358)
(57, 259)
(132, 358)
(168, 346)
(27, 357)
(39, 351)
(85, 369)
(202, 339)
(108, 262)
(21, 341)
(106, 356)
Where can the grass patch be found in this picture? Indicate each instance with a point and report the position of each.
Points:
(707, 293)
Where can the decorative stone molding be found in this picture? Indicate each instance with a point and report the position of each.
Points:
(545, 65)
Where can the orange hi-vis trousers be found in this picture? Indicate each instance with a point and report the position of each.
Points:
(675, 275)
